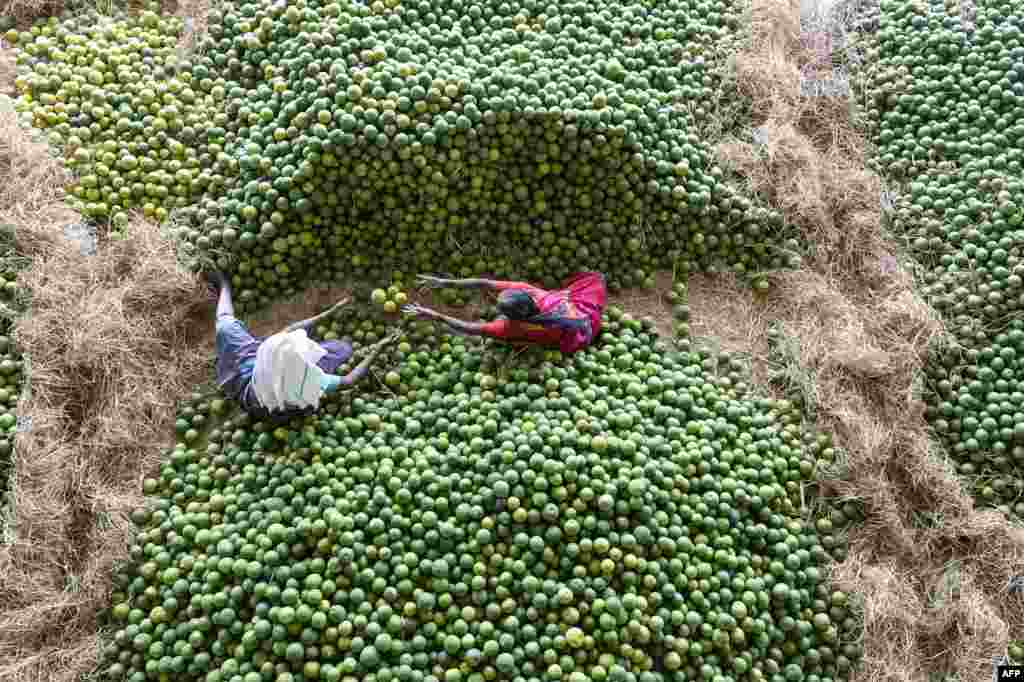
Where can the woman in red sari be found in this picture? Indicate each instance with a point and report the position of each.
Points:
(568, 318)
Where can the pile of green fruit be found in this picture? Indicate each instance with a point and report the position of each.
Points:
(12, 366)
(390, 300)
(678, 298)
(610, 516)
(11, 380)
(539, 139)
(367, 323)
(128, 117)
(948, 105)
(350, 140)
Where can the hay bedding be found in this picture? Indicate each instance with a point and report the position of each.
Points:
(26, 11)
(8, 72)
(114, 341)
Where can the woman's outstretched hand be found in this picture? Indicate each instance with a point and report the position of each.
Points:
(431, 282)
(419, 312)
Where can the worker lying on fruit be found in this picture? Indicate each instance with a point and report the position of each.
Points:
(284, 375)
(568, 318)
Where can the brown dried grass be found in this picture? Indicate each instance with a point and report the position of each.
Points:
(26, 11)
(862, 334)
(8, 71)
(113, 342)
(31, 183)
(195, 13)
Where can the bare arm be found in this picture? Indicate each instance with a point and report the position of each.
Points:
(455, 324)
(308, 323)
(475, 283)
(432, 282)
(363, 368)
(441, 282)
(360, 371)
(461, 326)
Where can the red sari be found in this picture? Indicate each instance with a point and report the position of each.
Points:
(580, 300)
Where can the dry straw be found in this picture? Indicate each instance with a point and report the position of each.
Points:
(8, 72)
(113, 341)
(24, 11)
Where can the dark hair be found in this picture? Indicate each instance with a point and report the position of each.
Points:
(517, 305)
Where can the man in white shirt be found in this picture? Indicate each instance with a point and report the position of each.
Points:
(279, 388)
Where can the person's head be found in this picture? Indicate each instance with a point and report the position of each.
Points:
(292, 370)
(292, 378)
(517, 305)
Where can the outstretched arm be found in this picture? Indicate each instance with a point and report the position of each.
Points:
(473, 283)
(308, 323)
(501, 328)
(363, 368)
(455, 324)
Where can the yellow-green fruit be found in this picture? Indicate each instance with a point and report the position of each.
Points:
(575, 637)
(379, 296)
